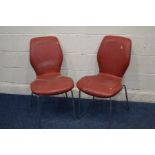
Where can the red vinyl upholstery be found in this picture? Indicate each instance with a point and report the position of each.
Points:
(46, 58)
(113, 59)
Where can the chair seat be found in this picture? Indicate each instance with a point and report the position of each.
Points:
(101, 85)
(51, 84)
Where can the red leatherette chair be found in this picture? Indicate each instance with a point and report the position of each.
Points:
(113, 60)
(46, 59)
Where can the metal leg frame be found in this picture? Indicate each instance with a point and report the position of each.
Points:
(31, 99)
(39, 112)
(74, 105)
(110, 109)
(78, 105)
(30, 106)
(126, 95)
(110, 106)
(110, 113)
(38, 108)
(93, 97)
(66, 95)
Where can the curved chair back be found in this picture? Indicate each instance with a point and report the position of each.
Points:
(114, 55)
(45, 55)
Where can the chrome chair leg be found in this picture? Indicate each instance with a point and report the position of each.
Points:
(39, 112)
(74, 106)
(78, 105)
(31, 99)
(66, 95)
(110, 113)
(126, 95)
(79, 114)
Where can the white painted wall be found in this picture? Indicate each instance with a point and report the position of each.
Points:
(79, 45)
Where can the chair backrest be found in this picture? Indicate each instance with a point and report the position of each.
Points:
(114, 55)
(45, 55)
